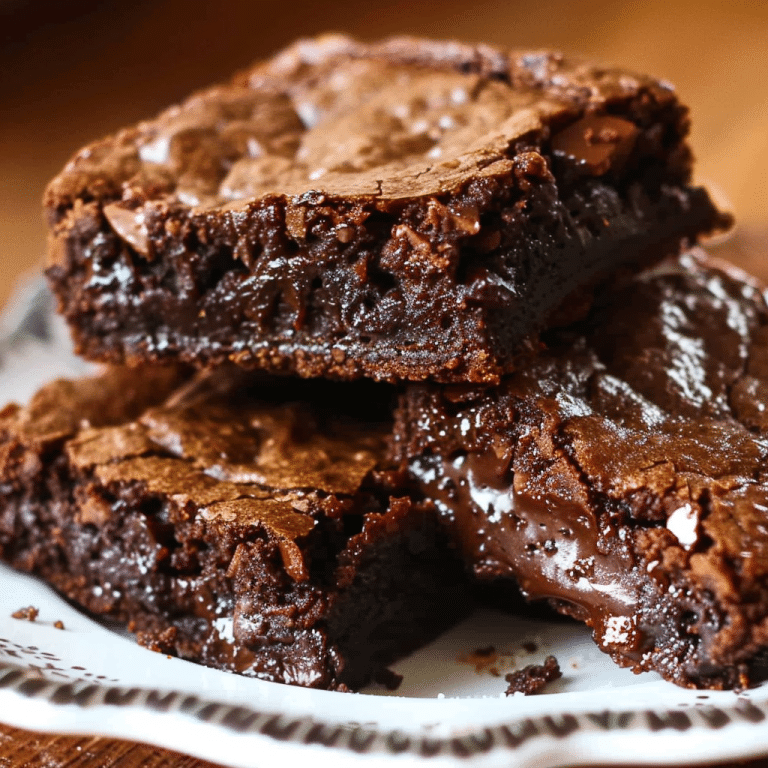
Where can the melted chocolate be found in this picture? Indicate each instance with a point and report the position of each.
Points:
(621, 474)
(551, 546)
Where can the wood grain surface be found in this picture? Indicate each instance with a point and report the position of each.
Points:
(36, 750)
(73, 71)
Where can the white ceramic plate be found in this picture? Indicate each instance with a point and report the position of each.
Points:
(450, 709)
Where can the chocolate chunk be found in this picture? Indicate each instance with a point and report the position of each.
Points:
(129, 226)
(396, 210)
(600, 142)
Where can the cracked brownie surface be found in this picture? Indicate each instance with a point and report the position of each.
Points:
(399, 210)
(245, 523)
(622, 473)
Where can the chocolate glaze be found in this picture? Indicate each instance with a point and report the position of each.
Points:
(621, 475)
(396, 210)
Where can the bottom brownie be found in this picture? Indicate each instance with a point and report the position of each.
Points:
(242, 523)
(623, 473)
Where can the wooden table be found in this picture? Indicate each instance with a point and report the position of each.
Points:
(37, 750)
(70, 72)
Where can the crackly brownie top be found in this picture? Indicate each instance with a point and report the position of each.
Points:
(398, 119)
(242, 448)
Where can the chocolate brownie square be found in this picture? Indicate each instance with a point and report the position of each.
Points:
(406, 209)
(622, 474)
(245, 524)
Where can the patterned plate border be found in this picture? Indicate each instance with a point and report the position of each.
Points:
(501, 739)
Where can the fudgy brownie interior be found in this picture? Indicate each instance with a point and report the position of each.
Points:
(245, 523)
(621, 474)
(399, 210)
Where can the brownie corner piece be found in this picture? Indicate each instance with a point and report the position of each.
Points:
(621, 474)
(400, 210)
(234, 521)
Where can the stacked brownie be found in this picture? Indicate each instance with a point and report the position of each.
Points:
(239, 521)
(495, 238)
(622, 473)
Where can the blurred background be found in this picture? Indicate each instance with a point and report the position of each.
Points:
(73, 70)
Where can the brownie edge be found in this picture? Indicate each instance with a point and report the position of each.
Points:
(232, 520)
(401, 210)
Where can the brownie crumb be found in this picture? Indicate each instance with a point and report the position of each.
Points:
(30, 613)
(534, 677)
(58, 624)
(390, 679)
(530, 647)
(482, 659)
(160, 642)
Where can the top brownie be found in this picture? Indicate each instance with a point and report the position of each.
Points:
(398, 210)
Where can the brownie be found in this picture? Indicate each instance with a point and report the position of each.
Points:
(399, 210)
(247, 524)
(622, 473)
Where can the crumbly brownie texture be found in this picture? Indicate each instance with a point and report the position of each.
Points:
(622, 474)
(225, 523)
(533, 678)
(400, 210)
